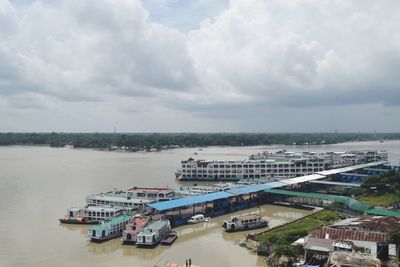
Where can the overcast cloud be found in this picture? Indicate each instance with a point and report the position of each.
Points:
(171, 66)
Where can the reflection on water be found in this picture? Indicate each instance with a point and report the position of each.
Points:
(39, 183)
(83, 229)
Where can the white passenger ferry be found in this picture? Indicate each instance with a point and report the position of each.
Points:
(274, 166)
(245, 222)
(134, 198)
(90, 214)
(153, 233)
(110, 228)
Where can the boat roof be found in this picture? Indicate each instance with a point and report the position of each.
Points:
(140, 221)
(248, 216)
(117, 219)
(104, 208)
(150, 189)
(112, 197)
(154, 226)
(121, 218)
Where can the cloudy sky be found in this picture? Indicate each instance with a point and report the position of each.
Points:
(193, 65)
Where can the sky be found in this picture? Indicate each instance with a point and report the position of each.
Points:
(200, 66)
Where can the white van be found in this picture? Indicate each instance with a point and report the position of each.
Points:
(196, 218)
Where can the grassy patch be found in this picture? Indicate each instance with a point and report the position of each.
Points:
(383, 200)
(291, 232)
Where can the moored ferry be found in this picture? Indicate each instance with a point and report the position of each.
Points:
(133, 228)
(153, 233)
(109, 229)
(90, 214)
(245, 222)
(134, 198)
(274, 166)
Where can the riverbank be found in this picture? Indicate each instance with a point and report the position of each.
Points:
(275, 243)
(157, 141)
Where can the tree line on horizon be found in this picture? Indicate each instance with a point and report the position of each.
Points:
(145, 141)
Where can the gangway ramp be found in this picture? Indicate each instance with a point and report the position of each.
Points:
(335, 183)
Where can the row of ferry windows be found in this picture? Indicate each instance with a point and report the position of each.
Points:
(236, 176)
(99, 214)
(254, 166)
(254, 171)
(111, 203)
(154, 195)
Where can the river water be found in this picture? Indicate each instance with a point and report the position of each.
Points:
(38, 184)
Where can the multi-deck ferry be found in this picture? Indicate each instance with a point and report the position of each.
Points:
(109, 229)
(279, 165)
(153, 233)
(134, 198)
(134, 228)
(90, 214)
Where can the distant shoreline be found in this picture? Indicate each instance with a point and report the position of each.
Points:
(165, 141)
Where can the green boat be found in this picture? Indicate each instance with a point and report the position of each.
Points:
(109, 229)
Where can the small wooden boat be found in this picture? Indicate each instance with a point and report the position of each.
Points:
(169, 239)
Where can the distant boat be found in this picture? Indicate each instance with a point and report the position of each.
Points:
(381, 141)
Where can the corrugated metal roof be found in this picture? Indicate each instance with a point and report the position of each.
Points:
(347, 234)
(193, 200)
(251, 189)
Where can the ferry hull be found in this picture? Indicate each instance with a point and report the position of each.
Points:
(239, 229)
(103, 239)
(74, 221)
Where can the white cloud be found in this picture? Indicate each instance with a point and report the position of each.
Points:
(253, 58)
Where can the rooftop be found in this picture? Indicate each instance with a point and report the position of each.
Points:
(379, 223)
(317, 244)
(117, 219)
(154, 226)
(248, 216)
(342, 258)
(103, 208)
(140, 221)
(110, 196)
(347, 234)
(151, 189)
